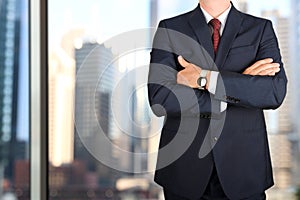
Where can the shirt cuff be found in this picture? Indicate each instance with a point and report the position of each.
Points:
(212, 88)
(223, 106)
(213, 82)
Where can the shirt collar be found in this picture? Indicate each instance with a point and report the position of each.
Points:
(222, 18)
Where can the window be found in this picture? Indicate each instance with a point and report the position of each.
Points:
(14, 100)
(96, 87)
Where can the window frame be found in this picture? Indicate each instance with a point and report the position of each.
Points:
(38, 52)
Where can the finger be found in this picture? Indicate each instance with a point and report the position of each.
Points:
(262, 62)
(259, 63)
(277, 70)
(267, 73)
(265, 67)
(270, 72)
(183, 62)
(274, 72)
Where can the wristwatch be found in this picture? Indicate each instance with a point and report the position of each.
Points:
(202, 80)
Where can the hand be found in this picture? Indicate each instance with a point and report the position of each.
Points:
(264, 67)
(189, 75)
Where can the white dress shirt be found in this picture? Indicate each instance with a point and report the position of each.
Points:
(214, 75)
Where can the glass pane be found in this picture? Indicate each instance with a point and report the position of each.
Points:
(14, 100)
(282, 123)
(103, 137)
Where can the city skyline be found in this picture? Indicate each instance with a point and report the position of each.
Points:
(83, 43)
(75, 28)
(102, 24)
(93, 28)
(75, 41)
(14, 93)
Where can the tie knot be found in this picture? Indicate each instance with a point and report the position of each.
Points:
(216, 24)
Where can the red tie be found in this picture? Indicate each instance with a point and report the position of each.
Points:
(216, 24)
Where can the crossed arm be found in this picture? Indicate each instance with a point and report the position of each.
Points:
(260, 86)
(189, 75)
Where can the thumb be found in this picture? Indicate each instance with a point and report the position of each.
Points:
(183, 62)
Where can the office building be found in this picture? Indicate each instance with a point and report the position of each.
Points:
(61, 104)
(62, 71)
(279, 122)
(242, 5)
(10, 35)
(295, 83)
(95, 76)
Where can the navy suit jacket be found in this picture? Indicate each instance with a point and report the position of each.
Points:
(240, 147)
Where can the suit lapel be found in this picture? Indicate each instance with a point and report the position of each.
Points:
(201, 30)
(232, 28)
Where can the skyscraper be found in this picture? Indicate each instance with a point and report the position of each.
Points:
(61, 104)
(153, 13)
(294, 81)
(92, 60)
(9, 75)
(243, 5)
(280, 121)
(62, 71)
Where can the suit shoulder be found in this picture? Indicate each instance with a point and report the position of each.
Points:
(176, 19)
(254, 19)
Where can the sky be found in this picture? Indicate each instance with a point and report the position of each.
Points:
(256, 6)
(104, 19)
(23, 93)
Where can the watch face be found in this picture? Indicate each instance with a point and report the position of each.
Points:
(202, 81)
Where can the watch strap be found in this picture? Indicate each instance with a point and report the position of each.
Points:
(203, 73)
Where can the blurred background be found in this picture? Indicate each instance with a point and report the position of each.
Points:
(78, 35)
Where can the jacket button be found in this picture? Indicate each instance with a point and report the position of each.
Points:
(215, 138)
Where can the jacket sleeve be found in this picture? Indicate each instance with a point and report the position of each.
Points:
(262, 92)
(166, 97)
